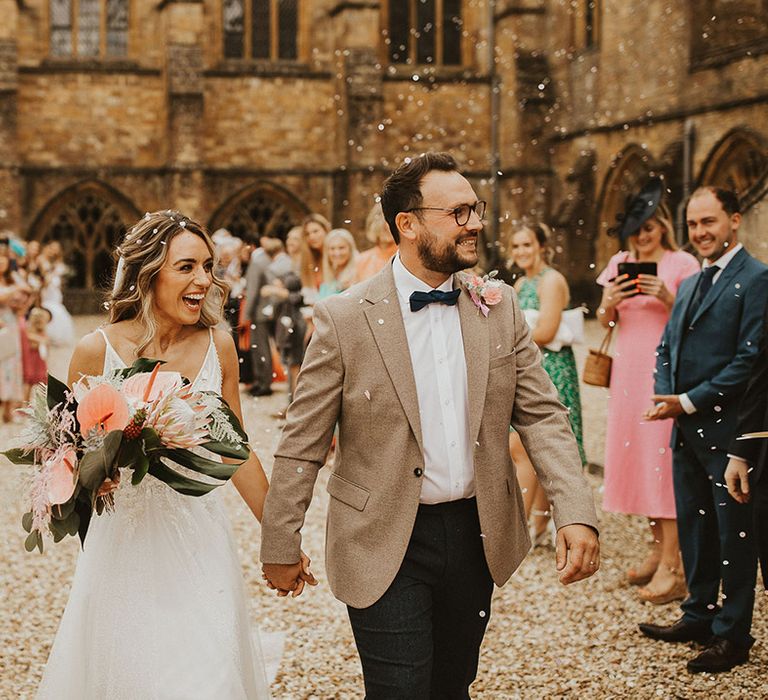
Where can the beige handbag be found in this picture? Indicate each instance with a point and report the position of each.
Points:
(597, 368)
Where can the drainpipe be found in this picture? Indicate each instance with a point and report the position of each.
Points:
(493, 250)
(689, 140)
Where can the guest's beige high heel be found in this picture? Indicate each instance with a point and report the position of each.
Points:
(676, 591)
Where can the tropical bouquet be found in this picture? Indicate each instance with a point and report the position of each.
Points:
(137, 418)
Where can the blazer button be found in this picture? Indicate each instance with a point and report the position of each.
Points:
(418, 471)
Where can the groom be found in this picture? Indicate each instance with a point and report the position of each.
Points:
(425, 512)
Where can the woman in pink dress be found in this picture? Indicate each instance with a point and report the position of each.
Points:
(638, 459)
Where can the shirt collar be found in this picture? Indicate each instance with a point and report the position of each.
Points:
(724, 259)
(406, 283)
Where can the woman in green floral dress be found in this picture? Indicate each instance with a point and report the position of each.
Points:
(545, 290)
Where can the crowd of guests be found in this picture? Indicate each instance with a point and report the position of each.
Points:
(275, 283)
(32, 316)
(686, 338)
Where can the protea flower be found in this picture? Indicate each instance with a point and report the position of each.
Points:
(179, 419)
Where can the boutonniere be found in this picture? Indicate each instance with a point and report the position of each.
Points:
(484, 291)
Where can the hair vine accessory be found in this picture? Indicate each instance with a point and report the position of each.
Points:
(485, 291)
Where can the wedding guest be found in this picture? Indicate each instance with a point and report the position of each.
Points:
(11, 374)
(34, 347)
(747, 474)
(339, 260)
(290, 312)
(261, 356)
(383, 246)
(544, 290)
(61, 329)
(315, 228)
(242, 324)
(294, 246)
(702, 368)
(638, 461)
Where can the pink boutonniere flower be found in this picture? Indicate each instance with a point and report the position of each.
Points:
(485, 291)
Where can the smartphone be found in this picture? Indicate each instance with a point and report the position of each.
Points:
(633, 269)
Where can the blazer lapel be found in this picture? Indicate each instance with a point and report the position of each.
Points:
(475, 335)
(730, 271)
(386, 324)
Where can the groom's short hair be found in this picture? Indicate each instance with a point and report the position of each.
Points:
(402, 189)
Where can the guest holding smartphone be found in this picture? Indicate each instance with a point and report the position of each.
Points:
(638, 460)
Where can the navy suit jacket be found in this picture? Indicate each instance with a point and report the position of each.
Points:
(753, 414)
(710, 358)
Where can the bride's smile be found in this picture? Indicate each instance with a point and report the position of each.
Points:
(184, 280)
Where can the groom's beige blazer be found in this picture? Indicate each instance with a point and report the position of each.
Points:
(357, 373)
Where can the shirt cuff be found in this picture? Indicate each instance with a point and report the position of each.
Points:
(740, 459)
(687, 404)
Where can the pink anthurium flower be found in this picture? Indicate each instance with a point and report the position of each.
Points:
(61, 475)
(150, 386)
(103, 407)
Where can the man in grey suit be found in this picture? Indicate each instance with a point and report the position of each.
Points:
(423, 380)
(702, 368)
(257, 275)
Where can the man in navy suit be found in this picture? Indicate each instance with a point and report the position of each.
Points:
(703, 364)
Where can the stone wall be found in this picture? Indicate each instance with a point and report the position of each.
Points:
(175, 124)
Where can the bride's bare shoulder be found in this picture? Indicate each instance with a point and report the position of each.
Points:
(88, 356)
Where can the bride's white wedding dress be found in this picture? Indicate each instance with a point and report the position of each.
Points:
(157, 609)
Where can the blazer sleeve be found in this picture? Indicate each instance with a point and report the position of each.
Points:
(731, 379)
(754, 404)
(662, 374)
(542, 423)
(304, 444)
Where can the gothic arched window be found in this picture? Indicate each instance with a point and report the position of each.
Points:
(738, 162)
(260, 210)
(88, 219)
(424, 32)
(89, 28)
(261, 29)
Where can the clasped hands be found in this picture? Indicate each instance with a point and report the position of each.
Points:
(578, 553)
(289, 578)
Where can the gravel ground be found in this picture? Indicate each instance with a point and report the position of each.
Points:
(543, 641)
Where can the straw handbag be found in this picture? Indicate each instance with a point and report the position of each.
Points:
(597, 368)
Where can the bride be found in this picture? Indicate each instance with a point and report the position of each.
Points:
(157, 608)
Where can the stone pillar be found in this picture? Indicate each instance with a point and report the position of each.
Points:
(184, 25)
(10, 178)
(526, 96)
(356, 31)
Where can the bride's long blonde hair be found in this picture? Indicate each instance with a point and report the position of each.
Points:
(140, 257)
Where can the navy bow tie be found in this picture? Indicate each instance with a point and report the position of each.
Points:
(419, 300)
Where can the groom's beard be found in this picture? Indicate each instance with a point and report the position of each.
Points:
(445, 257)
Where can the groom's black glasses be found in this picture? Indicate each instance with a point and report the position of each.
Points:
(460, 213)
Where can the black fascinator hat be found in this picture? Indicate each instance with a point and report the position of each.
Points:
(639, 209)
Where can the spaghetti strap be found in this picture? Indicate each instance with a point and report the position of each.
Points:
(112, 360)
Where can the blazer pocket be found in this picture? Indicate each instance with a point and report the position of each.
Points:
(347, 492)
(501, 361)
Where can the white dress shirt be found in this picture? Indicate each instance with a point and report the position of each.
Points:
(440, 370)
(721, 262)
